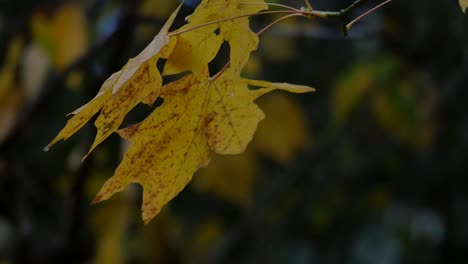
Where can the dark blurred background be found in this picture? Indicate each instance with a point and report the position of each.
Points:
(369, 169)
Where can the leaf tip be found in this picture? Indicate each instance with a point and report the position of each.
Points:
(95, 144)
(84, 158)
(146, 221)
(96, 199)
(47, 148)
(293, 87)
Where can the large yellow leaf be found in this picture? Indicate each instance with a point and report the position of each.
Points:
(138, 81)
(198, 114)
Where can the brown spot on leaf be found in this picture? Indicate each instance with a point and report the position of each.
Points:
(209, 118)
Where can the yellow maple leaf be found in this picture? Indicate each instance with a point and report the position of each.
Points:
(138, 81)
(198, 115)
(463, 4)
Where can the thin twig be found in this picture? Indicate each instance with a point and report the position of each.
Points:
(309, 13)
(353, 6)
(273, 4)
(278, 20)
(350, 24)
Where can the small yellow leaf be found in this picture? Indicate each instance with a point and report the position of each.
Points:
(138, 81)
(463, 4)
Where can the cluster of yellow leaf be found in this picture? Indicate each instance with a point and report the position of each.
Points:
(200, 114)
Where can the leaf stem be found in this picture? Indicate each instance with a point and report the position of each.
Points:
(353, 6)
(350, 24)
(272, 4)
(278, 20)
